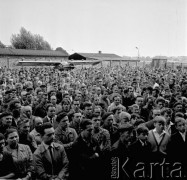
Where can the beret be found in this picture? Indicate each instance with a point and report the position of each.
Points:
(125, 127)
(61, 116)
(8, 91)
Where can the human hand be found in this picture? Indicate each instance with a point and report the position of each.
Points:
(95, 155)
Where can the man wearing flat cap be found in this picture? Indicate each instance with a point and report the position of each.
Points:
(6, 121)
(120, 149)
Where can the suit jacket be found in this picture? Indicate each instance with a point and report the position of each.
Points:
(83, 166)
(40, 110)
(140, 152)
(119, 157)
(46, 168)
(54, 123)
(177, 148)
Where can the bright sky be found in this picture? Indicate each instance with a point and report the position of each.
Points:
(156, 27)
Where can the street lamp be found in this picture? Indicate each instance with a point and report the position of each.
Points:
(138, 52)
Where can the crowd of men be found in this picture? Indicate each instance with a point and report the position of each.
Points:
(93, 123)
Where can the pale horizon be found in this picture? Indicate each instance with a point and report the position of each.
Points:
(156, 27)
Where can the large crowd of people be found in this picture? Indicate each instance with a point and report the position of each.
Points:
(93, 123)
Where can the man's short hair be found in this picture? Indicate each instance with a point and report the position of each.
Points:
(65, 101)
(142, 129)
(134, 115)
(95, 115)
(166, 110)
(84, 123)
(48, 106)
(105, 115)
(12, 104)
(87, 104)
(9, 131)
(139, 122)
(44, 126)
(159, 119)
(179, 119)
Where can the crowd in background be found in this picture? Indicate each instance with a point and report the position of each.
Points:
(86, 123)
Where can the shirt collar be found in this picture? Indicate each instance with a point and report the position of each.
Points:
(154, 130)
(47, 146)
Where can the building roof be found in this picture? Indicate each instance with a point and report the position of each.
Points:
(28, 52)
(99, 55)
(96, 56)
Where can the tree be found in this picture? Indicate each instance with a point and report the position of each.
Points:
(27, 40)
(61, 49)
(2, 45)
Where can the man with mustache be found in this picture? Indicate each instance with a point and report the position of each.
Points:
(50, 158)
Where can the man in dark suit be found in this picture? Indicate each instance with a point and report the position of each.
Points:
(51, 117)
(50, 158)
(177, 147)
(85, 156)
(140, 151)
(120, 153)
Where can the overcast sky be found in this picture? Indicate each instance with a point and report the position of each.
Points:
(156, 27)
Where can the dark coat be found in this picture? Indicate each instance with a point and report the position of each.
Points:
(82, 163)
(40, 111)
(44, 166)
(177, 148)
(140, 156)
(119, 161)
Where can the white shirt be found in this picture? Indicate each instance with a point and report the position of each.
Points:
(158, 136)
(168, 128)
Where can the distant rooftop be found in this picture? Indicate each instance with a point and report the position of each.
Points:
(26, 52)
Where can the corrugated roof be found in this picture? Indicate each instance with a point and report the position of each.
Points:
(26, 52)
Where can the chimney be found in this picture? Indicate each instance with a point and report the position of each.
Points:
(100, 52)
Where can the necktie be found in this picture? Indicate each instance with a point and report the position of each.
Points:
(51, 152)
(51, 120)
(52, 158)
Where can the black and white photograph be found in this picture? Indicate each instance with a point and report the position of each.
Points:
(93, 89)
